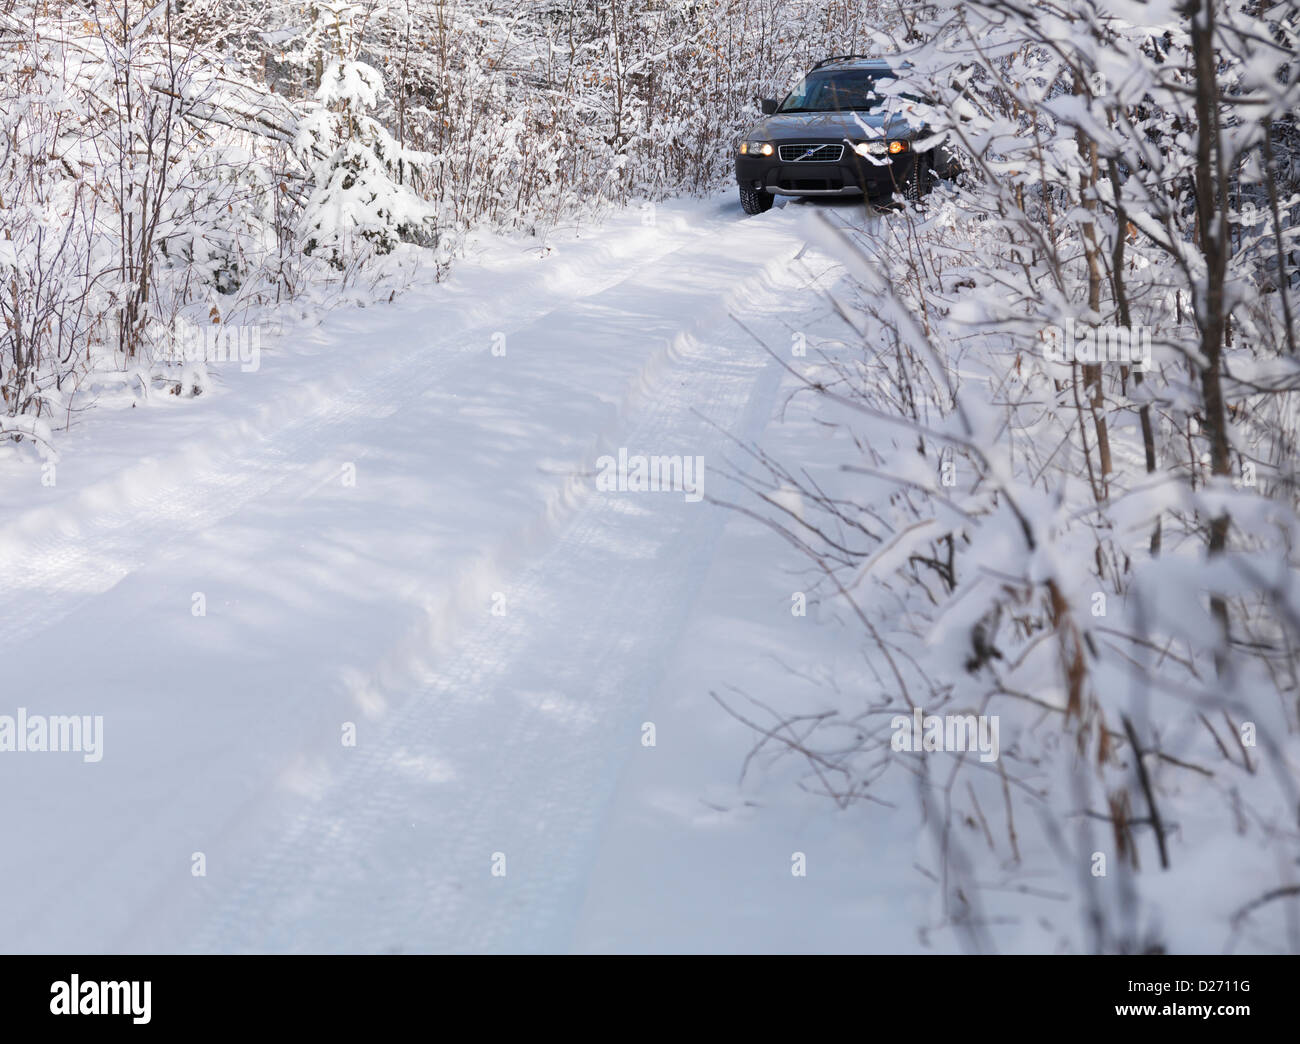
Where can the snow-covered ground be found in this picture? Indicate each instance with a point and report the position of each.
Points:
(393, 526)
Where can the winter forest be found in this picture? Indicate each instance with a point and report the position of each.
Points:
(1022, 452)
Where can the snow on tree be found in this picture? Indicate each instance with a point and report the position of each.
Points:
(357, 193)
(362, 199)
(1076, 394)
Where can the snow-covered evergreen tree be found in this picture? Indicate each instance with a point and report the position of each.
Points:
(358, 198)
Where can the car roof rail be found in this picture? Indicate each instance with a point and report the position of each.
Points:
(849, 58)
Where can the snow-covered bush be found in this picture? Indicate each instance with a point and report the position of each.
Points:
(141, 175)
(357, 199)
(1093, 537)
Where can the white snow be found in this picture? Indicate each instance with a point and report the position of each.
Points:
(373, 604)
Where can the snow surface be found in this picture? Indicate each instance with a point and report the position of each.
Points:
(372, 603)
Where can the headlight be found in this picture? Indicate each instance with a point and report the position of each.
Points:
(881, 148)
(756, 148)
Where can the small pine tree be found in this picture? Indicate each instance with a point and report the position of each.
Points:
(360, 201)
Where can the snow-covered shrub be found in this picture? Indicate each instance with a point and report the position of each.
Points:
(1098, 545)
(49, 254)
(357, 198)
(140, 174)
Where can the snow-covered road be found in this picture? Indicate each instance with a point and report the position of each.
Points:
(393, 526)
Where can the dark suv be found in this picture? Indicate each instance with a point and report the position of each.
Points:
(849, 128)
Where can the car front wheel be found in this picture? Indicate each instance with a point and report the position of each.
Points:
(755, 201)
(918, 182)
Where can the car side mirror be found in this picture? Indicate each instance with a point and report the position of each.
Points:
(767, 106)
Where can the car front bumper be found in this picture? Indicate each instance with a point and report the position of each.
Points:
(852, 175)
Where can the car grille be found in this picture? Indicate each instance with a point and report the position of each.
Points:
(810, 153)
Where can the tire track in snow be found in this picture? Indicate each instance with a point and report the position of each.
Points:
(54, 559)
(514, 741)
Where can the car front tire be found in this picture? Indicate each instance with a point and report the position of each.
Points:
(917, 184)
(755, 201)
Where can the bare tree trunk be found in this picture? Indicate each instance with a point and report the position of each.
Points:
(1092, 372)
(1126, 320)
(1212, 225)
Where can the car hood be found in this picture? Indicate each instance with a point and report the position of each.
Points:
(835, 126)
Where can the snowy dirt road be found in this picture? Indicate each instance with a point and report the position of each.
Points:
(393, 528)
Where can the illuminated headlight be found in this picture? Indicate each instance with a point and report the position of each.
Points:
(881, 148)
(756, 148)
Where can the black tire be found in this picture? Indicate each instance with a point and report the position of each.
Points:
(918, 182)
(755, 201)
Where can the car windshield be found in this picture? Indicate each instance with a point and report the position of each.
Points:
(845, 90)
